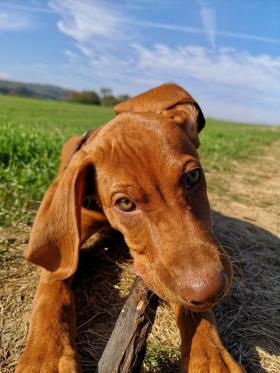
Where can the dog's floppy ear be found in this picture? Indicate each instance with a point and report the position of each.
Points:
(56, 234)
(166, 97)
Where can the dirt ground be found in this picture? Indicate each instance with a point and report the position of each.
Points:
(246, 217)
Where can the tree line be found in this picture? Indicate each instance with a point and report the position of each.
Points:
(105, 97)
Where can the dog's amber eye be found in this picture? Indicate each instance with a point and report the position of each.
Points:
(125, 204)
(192, 178)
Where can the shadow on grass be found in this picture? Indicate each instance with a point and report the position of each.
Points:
(248, 319)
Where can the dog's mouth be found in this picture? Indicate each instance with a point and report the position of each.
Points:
(200, 307)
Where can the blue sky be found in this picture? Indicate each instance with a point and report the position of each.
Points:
(226, 53)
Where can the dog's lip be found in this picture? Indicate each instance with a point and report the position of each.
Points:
(199, 307)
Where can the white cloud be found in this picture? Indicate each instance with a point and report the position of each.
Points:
(243, 86)
(225, 66)
(107, 51)
(101, 39)
(4, 75)
(10, 21)
(86, 20)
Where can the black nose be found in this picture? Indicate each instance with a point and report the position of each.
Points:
(205, 288)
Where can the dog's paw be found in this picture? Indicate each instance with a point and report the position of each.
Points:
(219, 362)
(68, 362)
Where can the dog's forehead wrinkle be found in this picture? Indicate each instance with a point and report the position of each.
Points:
(135, 138)
(144, 147)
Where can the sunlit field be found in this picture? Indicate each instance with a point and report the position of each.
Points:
(33, 131)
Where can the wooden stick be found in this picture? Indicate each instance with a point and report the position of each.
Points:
(125, 350)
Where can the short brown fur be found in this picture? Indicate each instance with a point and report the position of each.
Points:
(143, 154)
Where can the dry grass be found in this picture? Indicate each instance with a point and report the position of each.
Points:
(248, 319)
(17, 286)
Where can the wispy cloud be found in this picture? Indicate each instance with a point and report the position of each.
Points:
(100, 37)
(101, 40)
(25, 8)
(11, 21)
(86, 20)
(197, 30)
(113, 14)
(208, 17)
(90, 18)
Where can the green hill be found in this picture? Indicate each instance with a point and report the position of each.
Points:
(33, 90)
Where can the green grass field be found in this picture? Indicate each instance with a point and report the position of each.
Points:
(33, 131)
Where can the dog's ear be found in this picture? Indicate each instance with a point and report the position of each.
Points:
(56, 233)
(161, 99)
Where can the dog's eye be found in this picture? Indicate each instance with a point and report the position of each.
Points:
(192, 178)
(125, 204)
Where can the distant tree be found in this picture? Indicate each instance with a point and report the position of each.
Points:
(20, 90)
(123, 97)
(109, 100)
(104, 92)
(107, 97)
(84, 97)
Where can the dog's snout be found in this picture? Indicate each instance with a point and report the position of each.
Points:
(206, 289)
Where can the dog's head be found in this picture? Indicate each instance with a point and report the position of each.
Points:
(143, 176)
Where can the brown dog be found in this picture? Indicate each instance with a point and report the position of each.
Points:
(140, 174)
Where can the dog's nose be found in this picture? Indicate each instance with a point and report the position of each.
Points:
(206, 289)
